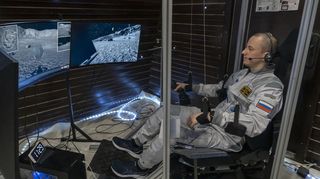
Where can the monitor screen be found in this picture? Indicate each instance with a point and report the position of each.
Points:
(41, 48)
(99, 43)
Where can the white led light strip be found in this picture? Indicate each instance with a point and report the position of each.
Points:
(121, 111)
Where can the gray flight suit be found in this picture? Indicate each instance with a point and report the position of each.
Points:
(258, 94)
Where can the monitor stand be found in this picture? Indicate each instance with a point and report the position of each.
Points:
(73, 126)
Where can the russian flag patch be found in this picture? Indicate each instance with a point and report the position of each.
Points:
(264, 106)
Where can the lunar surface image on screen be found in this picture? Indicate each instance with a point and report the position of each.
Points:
(120, 46)
(64, 34)
(63, 44)
(64, 29)
(38, 49)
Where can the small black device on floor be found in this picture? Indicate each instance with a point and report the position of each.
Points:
(36, 152)
(302, 171)
(48, 162)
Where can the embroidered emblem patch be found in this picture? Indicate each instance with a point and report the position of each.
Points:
(246, 91)
(270, 96)
(264, 106)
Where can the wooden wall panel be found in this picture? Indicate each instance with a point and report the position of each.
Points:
(200, 41)
(318, 107)
(42, 104)
(75, 10)
(311, 150)
(93, 88)
(316, 120)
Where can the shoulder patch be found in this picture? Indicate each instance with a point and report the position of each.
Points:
(270, 96)
(246, 91)
(264, 106)
(274, 85)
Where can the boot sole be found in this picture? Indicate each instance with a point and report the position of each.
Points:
(123, 176)
(126, 150)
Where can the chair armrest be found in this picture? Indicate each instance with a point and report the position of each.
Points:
(199, 153)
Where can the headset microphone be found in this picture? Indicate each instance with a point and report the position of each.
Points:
(255, 58)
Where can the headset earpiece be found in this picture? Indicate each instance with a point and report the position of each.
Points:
(268, 57)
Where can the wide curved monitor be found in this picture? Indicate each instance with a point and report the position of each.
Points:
(41, 48)
(100, 43)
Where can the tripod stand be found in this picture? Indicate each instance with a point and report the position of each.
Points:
(73, 126)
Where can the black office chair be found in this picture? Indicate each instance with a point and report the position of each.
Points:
(204, 162)
(253, 161)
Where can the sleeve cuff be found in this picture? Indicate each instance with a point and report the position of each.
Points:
(195, 88)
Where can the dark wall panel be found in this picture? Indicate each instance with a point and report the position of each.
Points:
(280, 24)
(304, 139)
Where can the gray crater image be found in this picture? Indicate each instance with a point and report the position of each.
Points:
(36, 52)
(120, 46)
(64, 29)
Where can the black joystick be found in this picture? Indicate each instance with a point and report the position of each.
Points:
(204, 118)
(183, 96)
(189, 82)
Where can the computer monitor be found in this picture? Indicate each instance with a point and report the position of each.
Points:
(8, 114)
(41, 48)
(100, 43)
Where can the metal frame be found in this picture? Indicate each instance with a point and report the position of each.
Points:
(166, 82)
(241, 34)
(305, 32)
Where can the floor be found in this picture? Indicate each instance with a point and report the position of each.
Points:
(107, 126)
(290, 169)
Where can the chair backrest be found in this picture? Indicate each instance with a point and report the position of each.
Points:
(262, 141)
